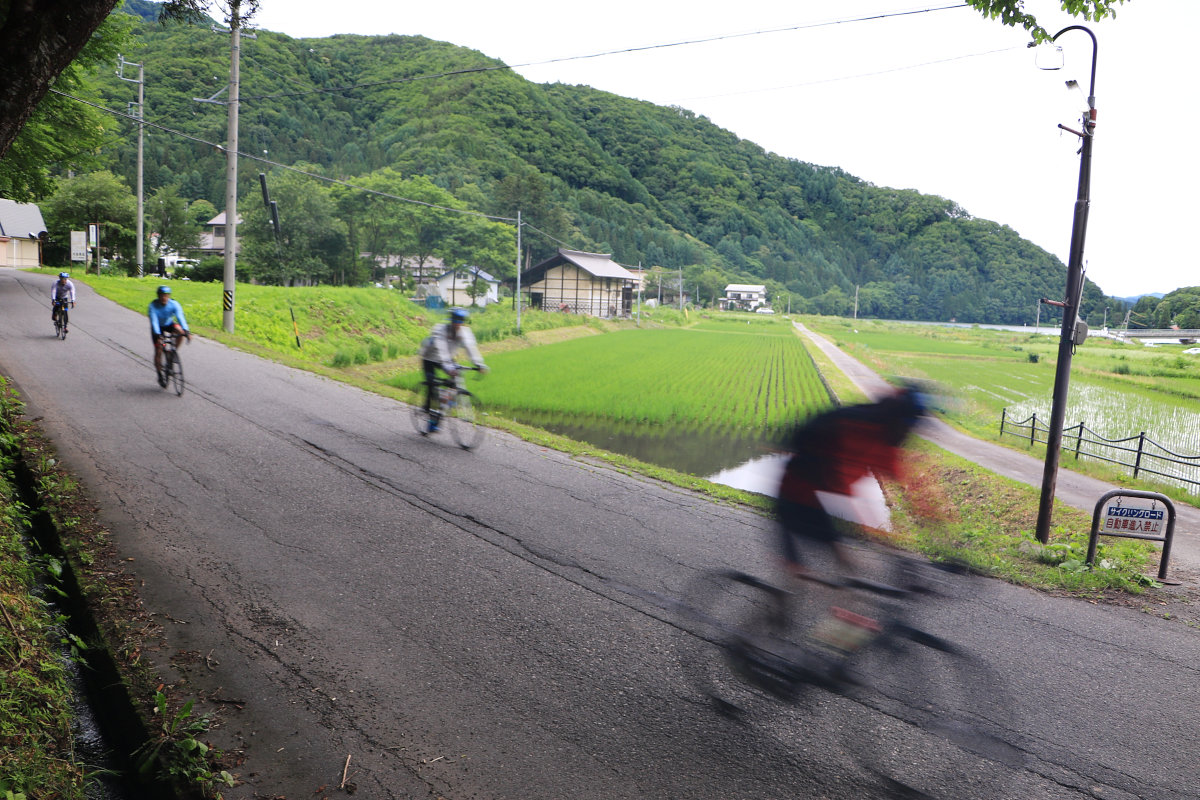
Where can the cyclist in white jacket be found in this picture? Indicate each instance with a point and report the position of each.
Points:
(442, 345)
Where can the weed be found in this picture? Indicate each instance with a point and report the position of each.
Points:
(175, 753)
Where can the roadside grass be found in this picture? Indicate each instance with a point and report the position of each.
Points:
(950, 508)
(36, 739)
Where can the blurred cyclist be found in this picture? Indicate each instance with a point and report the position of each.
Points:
(62, 292)
(439, 350)
(166, 316)
(830, 453)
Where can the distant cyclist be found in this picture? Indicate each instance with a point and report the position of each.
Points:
(166, 316)
(830, 453)
(440, 348)
(62, 293)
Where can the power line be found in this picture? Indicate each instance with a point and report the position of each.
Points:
(644, 48)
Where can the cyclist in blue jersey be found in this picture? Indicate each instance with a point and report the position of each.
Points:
(166, 315)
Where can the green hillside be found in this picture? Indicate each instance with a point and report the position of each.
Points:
(656, 186)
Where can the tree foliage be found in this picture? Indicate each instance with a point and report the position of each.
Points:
(1012, 12)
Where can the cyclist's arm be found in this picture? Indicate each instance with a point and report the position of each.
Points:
(468, 344)
(178, 309)
(155, 325)
(71, 292)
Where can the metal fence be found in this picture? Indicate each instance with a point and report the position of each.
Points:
(1139, 453)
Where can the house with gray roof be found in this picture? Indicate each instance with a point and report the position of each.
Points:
(21, 231)
(575, 282)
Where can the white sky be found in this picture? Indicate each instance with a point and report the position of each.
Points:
(946, 102)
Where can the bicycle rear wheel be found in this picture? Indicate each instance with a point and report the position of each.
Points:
(734, 651)
(463, 421)
(937, 723)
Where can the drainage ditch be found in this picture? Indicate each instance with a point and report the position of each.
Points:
(108, 730)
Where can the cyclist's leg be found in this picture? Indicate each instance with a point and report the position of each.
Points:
(431, 370)
(155, 341)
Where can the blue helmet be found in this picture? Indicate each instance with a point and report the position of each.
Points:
(64, 274)
(459, 315)
(164, 290)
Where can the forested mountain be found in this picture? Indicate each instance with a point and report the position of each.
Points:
(656, 186)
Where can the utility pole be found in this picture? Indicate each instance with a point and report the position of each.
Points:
(1068, 337)
(141, 214)
(517, 296)
(231, 165)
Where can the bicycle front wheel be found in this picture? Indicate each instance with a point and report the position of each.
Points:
(938, 723)
(463, 421)
(175, 373)
(60, 325)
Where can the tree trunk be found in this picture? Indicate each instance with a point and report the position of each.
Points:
(38, 39)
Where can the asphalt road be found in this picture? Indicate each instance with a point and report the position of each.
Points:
(452, 620)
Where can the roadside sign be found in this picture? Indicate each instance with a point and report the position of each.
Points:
(1138, 520)
(78, 246)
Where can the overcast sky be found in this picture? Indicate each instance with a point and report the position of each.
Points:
(944, 102)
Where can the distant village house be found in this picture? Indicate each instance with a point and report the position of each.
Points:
(455, 287)
(21, 231)
(580, 283)
(743, 297)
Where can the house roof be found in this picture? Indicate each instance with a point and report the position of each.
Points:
(20, 220)
(219, 219)
(597, 264)
(476, 271)
(745, 287)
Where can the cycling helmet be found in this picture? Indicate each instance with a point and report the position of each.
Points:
(458, 315)
(64, 274)
(164, 290)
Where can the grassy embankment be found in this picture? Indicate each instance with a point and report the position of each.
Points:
(1116, 389)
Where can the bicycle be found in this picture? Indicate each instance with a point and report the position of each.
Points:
(60, 318)
(171, 374)
(452, 407)
(936, 722)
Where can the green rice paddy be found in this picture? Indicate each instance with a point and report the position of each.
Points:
(721, 377)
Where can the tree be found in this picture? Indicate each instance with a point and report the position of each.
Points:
(38, 39)
(314, 245)
(1012, 12)
(63, 134)
(172, 227)
(98, 197)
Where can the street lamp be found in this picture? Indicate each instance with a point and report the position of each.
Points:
(1073, 332)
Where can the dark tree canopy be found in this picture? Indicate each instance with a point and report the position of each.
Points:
(38, 39)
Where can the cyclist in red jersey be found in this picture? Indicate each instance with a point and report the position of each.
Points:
(830, 453)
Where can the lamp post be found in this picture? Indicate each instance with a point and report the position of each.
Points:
(1068, 337)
